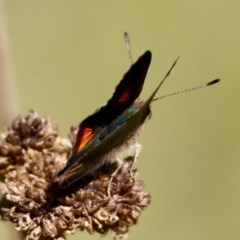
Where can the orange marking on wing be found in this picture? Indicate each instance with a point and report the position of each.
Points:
(86, 136)
(124, 97)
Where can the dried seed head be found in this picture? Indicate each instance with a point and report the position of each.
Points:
(31, 154)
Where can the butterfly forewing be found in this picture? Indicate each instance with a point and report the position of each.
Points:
(89, 130)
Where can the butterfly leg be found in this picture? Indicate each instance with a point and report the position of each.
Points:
(138, 149)
(110, 181)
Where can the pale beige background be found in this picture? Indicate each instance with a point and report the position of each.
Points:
(67, 58)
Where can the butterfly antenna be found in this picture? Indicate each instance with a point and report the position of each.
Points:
(188, 90)
(165, 77)
(127, 42)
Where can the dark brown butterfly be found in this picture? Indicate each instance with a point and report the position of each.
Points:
(103, 136)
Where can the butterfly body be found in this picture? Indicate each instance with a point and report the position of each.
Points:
(118, 138)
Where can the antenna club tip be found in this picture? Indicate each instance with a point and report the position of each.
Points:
(125, 33)
(214, 81)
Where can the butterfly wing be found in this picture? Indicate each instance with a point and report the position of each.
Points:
(123, 97)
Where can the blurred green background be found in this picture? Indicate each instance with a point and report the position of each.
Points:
(67, 57)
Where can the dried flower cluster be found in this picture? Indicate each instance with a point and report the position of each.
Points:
(31, 154)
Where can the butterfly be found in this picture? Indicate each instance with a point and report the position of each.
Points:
(115, 127)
